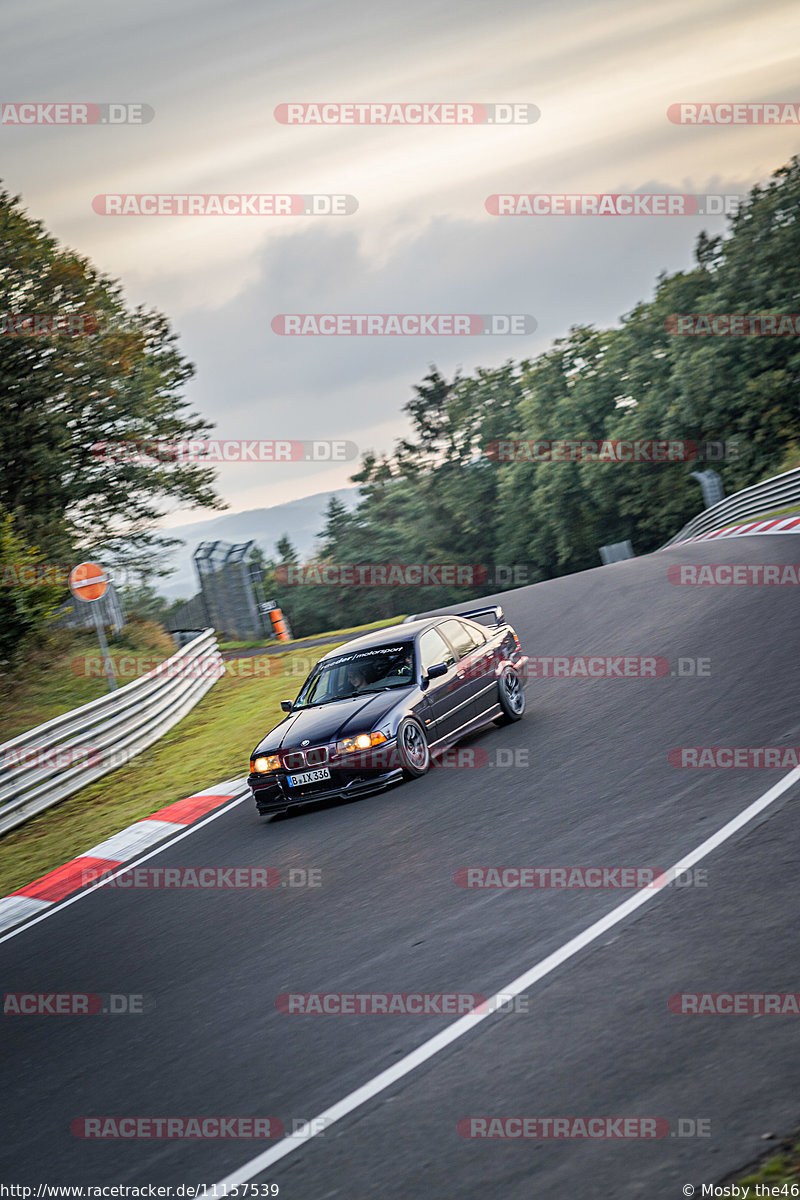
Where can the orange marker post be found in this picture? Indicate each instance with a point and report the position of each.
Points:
(89, 582)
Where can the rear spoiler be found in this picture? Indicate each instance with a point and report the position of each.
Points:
(494, 609)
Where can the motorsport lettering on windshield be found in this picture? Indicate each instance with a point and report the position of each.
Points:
(317, 689)
(335, 662)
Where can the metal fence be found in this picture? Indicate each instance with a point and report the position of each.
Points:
(230, 588)
(227, 587)
(616, 552)
(191, 615)
(781, 491)
(45, 765)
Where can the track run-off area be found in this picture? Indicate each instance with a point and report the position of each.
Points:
(612, 768)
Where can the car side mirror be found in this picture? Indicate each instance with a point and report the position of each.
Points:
(436, 670)
(286, 705)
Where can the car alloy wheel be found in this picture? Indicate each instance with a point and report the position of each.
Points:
(510, 697)
(412, 748)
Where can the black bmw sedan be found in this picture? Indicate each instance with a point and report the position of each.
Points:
(375, 710)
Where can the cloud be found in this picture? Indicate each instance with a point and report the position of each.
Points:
(421, 241)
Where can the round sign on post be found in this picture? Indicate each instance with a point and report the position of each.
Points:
(88, 581)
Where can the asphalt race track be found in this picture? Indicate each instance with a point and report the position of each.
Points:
(588, 784)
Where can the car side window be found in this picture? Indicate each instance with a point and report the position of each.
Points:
(477, 634)
(459, 636)
(434, 649)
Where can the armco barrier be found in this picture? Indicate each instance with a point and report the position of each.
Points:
(776, 493)
(45, 765)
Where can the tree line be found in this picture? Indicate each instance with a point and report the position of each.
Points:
(466, 487)
(447, 494)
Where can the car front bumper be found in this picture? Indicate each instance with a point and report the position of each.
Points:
(273, 794)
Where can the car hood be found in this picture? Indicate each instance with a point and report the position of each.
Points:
(331, 722)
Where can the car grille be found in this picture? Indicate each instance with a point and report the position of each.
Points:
(295, 760)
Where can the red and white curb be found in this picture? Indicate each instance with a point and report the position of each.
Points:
(774, 525)
(34, 898)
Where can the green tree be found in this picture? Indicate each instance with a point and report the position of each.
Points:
(285, 551)
(27, 597)
(440, 497)
(68, 401)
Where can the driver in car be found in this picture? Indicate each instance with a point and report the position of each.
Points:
(405, 665)
(356, 678)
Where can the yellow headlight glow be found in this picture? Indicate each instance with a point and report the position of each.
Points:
(362, 741)
(264, 763)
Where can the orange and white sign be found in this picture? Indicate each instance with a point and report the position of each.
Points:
(88, 581)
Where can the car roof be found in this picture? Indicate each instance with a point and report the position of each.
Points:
(381, 637)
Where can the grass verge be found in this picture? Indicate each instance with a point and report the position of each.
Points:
(328, 633)
(780, 1171)
(212, 743)
(65, 673)
(792, 511)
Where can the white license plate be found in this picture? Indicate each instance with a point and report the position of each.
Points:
(308, 777)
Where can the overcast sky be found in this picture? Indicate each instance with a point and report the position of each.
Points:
(603, 75)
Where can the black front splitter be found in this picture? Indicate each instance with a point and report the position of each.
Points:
(359, 788)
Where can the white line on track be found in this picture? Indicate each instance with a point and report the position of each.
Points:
(464, 1024)
(123, 867)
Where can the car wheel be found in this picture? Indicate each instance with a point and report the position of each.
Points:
(510, 697)
(412, 748)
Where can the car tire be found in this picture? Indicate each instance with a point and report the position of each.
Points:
(510, 697)
(412, 748)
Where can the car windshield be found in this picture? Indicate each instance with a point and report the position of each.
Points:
(359, 673)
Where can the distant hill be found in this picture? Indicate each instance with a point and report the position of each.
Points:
(300, 520)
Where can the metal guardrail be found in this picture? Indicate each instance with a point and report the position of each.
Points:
(752, 502)
(43, 766)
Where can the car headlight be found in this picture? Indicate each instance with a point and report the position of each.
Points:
(362, 741)
(264, 763)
